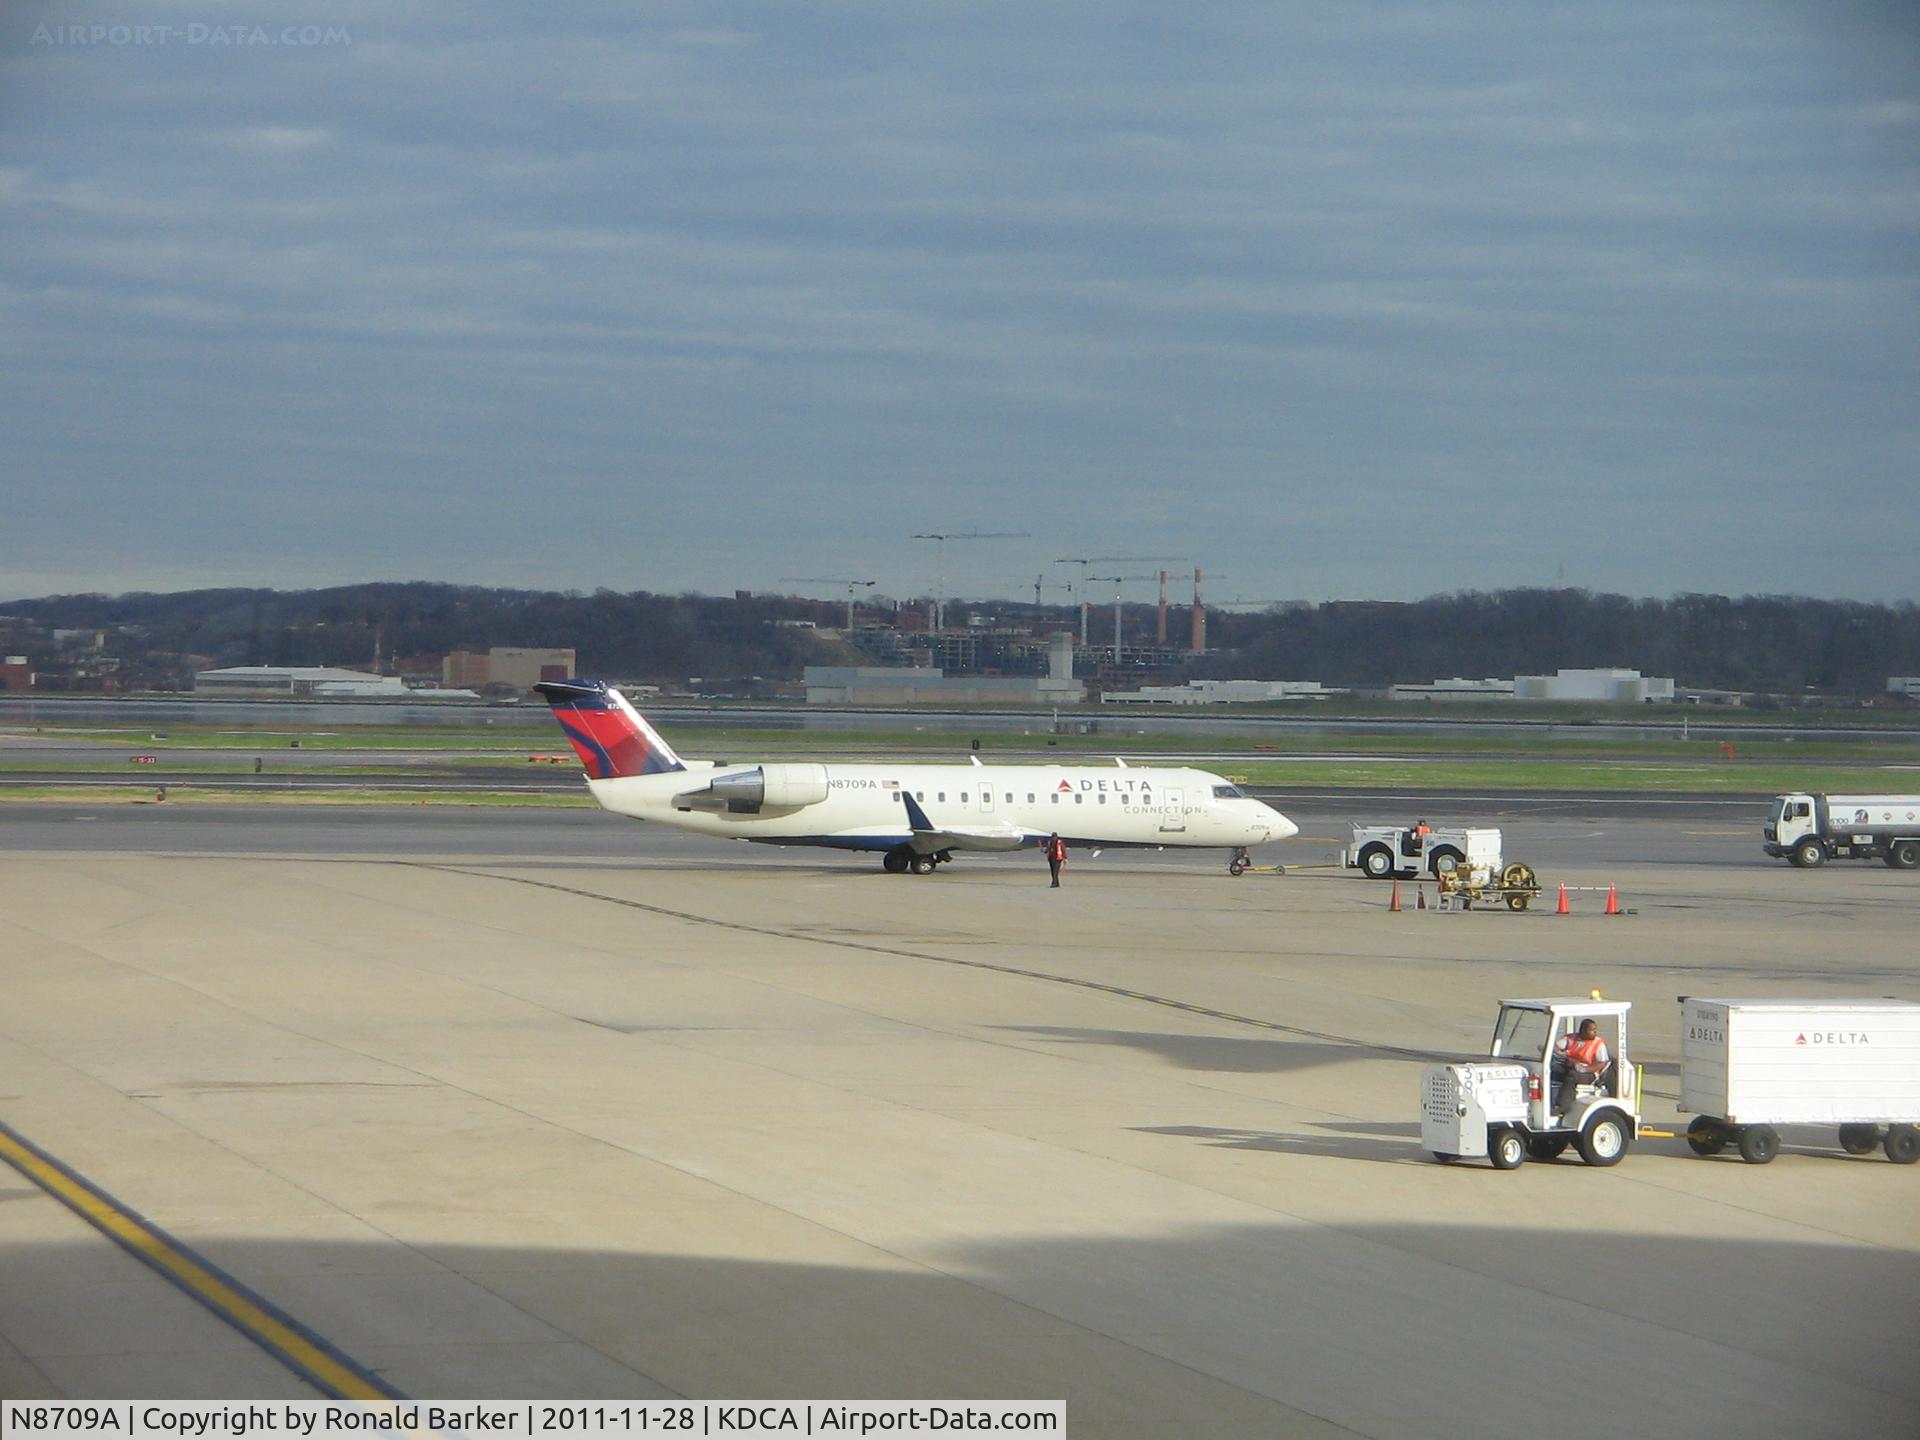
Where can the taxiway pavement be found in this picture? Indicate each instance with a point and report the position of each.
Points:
(539, 1103)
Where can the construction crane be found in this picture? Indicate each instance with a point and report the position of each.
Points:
(1117, 581)
(853, 586)
(1040, 586)
(940, 539)
(1083, 561)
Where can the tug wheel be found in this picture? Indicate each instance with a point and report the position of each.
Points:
(1507, 1148)
(1605, 1141)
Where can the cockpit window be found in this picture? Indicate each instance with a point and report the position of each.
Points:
(1230, 792)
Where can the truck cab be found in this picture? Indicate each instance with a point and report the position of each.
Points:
(1521, 1103)
(1793, 830)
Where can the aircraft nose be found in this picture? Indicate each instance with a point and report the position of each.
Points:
(1279, 827)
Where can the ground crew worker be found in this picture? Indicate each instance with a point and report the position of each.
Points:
(1417, 836)
(1579, 1059)
(1056, 849)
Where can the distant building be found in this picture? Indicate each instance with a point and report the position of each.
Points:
(464, 667)
(1454, 689)
(885, 685)
(15, 673)
(891, 685)
(1626, 687)
(300, 682)
(508, 666)
(1904, 685)
(1222, 692)
(310, 682)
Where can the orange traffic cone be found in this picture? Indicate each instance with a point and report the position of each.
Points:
(1420, 897)
(1394, 902)
(1613, 901)
(1561, 908)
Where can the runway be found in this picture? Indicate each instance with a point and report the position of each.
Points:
(506, 1103)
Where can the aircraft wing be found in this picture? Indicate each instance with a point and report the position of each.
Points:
(929, 838)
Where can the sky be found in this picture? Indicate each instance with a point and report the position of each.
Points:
(1335, 300)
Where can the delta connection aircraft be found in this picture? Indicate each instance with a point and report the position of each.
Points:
(916, 816)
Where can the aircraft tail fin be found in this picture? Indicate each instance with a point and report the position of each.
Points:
(611, 738)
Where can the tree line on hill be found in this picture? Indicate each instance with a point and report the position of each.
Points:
(1771, 643)
(1765, 643)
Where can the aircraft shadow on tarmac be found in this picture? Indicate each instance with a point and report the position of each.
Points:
(1212, 1329)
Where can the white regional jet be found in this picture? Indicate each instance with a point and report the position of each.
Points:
(916, 816)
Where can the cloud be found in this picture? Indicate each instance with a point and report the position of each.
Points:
(275, 140)
(1316, 264)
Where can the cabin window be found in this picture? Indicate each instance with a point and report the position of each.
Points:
(1010, 797)
(901, 796)
(1029, 797)
(963, 797)
(1103, 799)
(1056, 797)
(943, 797)
(1078, 799)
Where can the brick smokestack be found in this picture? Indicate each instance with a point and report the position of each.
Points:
(1199, 635)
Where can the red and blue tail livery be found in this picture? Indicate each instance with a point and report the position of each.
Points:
(608, 734)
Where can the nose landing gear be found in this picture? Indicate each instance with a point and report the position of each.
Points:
(1240, 861)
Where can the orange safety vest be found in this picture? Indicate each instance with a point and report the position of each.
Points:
(1056, 849)
(1584, 1053)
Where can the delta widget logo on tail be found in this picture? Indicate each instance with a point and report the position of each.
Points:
(606, 732)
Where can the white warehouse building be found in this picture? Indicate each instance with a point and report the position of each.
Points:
(1614, 686)
(1457, 688)
(311, 682)
(1222, 692)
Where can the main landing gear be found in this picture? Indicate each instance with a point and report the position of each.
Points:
(904, 858)
(1240, 861)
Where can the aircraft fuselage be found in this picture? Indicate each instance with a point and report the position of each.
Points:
(994, 806)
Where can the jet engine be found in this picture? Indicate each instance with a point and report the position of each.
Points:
(772, 787)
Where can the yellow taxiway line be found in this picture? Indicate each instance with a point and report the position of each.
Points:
(262, 1322)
